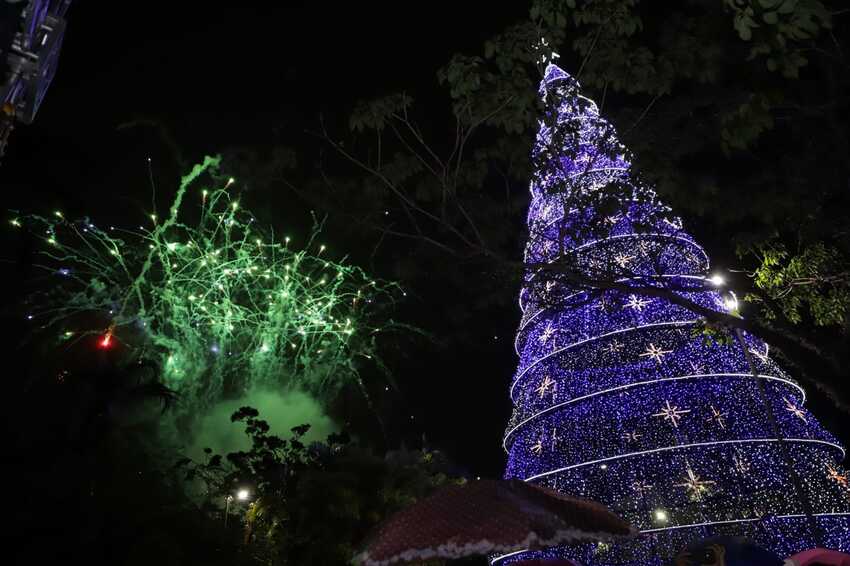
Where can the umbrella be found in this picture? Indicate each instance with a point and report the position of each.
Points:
(820, 557)
(725, 551)
(487, 516)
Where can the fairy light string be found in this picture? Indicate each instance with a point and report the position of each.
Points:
(620, 398)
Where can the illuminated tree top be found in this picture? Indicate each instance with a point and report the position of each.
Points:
(621, 397)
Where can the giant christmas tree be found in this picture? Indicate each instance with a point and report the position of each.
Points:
(621, 396)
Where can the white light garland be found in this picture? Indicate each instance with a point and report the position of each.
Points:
(838, 447)
(593, 339)
(639, 383)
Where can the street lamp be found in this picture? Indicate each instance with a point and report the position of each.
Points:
(242, 495)
(227, 500)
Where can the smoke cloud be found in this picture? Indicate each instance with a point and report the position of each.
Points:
(281, 409)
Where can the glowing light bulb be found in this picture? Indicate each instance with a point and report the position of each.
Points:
(242, 494)
(106, 341)
(660, 515)
(731, 302)
(717, 280)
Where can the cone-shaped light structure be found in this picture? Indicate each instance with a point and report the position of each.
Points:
(617, 398)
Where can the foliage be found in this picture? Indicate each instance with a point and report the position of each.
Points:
(312, 504)
(712, 334)
(735, 111)
(810, 285)
(92, 473)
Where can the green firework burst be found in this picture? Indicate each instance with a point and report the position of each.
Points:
(222, 304)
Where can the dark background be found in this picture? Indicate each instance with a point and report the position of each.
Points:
(221, 75)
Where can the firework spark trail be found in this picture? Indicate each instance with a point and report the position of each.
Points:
(222, 305)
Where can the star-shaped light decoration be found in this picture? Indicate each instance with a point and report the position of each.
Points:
(695, 486)
(762, 356)
(555, 437)
(613, 347)
(544, 386)
(640, 487)
(547, 333)
(550, 285)
(595, 264)
(740, 463)
(795, 410)
(613, 219)
(623, 260)
(602, 304)
(637, 303)
(644, 247)
(671, 413)
(718, 416)
(655, 353)
(547, 246)
(537, 447)
(835, 475)
(675, 223)
(632, 436)
(697, 368)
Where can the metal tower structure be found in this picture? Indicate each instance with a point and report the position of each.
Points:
(31, 33)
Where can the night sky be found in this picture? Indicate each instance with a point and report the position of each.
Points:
(256, 75)
(221, 75)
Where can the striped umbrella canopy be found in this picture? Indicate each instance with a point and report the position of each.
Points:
(820, 557)
(487, 516)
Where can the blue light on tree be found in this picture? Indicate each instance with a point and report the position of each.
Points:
(623, 397)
